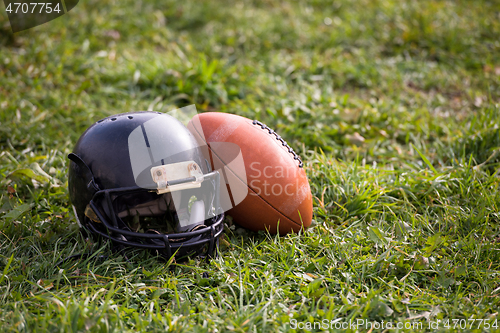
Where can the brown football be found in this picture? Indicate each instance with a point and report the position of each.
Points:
(263, 184)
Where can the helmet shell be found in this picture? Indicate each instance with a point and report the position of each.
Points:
(104, 147)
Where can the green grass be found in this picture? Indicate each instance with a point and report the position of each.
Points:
(406, 225)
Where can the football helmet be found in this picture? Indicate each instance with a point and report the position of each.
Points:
(141, 180)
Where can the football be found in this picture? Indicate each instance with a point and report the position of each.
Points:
(263, 183)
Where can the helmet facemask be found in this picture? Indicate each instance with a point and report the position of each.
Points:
(142, 218)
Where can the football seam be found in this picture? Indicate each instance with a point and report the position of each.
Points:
(244, 182)
(280, 139)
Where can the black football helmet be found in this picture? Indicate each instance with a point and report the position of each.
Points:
(140, 180)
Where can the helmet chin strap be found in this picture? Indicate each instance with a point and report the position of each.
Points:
(89, 176)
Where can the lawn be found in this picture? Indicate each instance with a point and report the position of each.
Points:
(394, 107)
